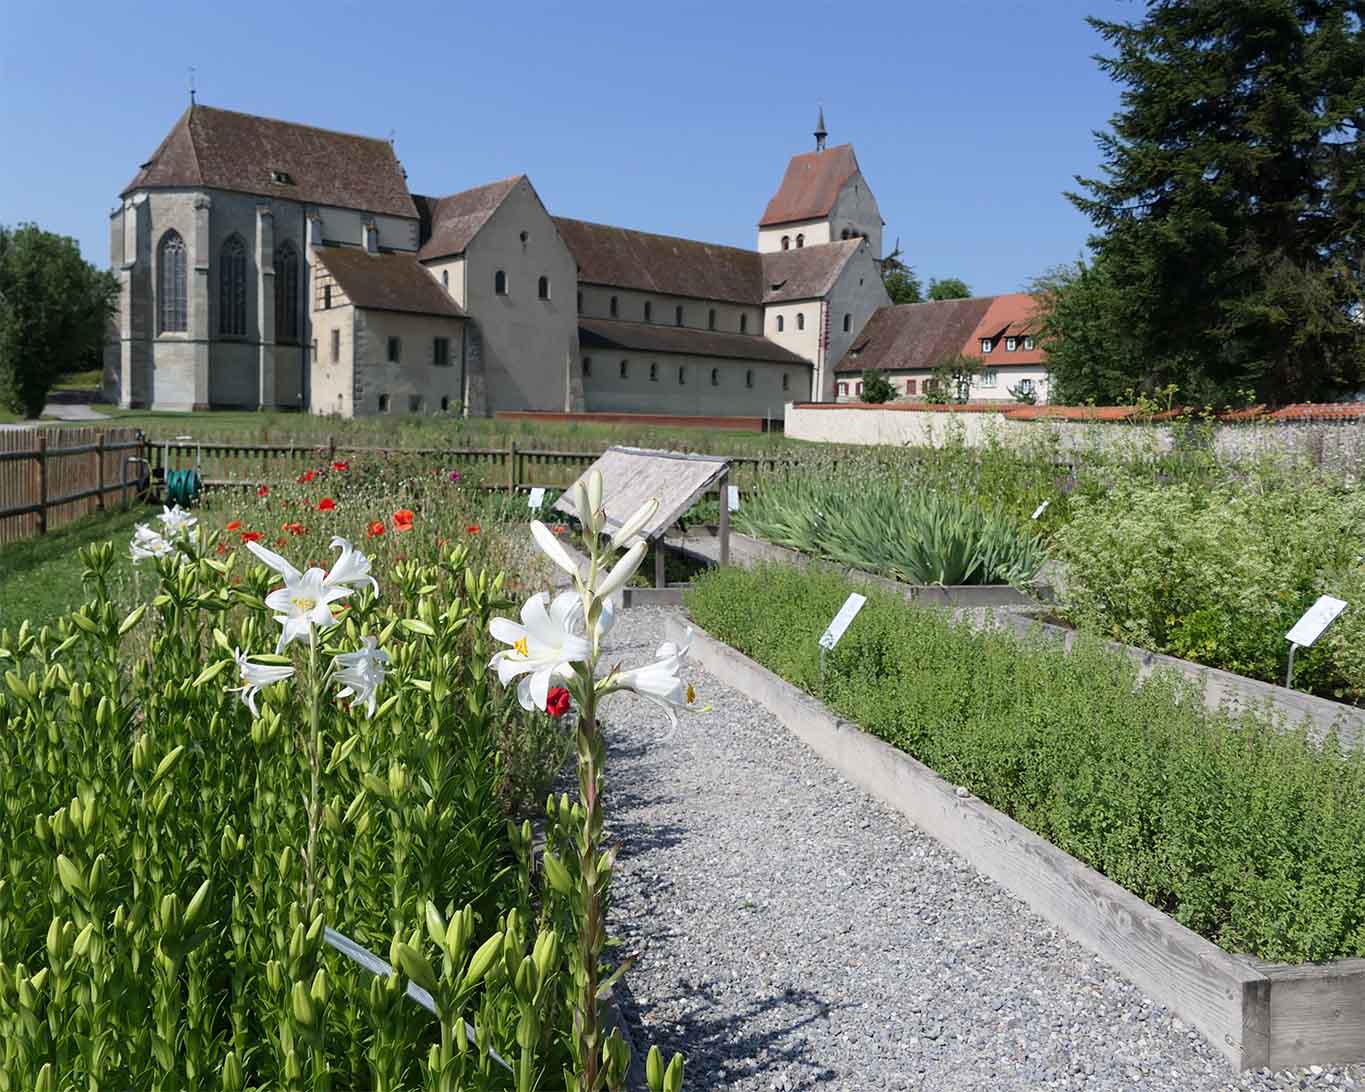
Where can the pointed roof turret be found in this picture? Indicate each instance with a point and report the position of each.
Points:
(820, 133)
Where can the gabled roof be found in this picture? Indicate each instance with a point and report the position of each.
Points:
(623, 258)
(914, 335)
(388, 281)
(646, 337)
(225, 150)
(806, 273)
(450, 223)
(1011, 315)
(811, 185)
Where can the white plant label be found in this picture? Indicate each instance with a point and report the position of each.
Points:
(1041, 509)
(1315, 619)
(732, 498)
(537, 498)
(849, 611)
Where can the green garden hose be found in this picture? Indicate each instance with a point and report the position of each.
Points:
(182, 487)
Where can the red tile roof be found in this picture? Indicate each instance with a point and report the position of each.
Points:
(623, 258)
(914, 335)
(646, 337)
(1010, 315)
(225, 150)
(388, 281)
(807, 272)
(811, 185)
(449, 223)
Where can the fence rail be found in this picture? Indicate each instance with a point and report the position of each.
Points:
(49, 477)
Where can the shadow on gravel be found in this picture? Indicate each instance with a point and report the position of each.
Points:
(741, 1043)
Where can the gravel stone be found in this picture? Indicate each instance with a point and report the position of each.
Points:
(794, 933)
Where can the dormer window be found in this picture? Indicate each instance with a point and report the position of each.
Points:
(1011, 344)
(1028, 344)
(281, 178)
(985, 344)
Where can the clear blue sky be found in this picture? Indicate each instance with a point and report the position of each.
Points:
(969, 118)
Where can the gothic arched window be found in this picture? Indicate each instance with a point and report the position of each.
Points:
(500, 283)
(800, 320)
(172, 299)
(286, 292)
(779, 324)
(800, 241)
(232, 287)
(786, 242)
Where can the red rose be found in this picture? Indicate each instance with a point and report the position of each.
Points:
(235, 525)
(557, 702)
(327, 504)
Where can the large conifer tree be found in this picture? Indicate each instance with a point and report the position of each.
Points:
(1230, 211)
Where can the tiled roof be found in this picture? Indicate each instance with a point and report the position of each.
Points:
(645, 337)
(811, 185)
(623, 258)
(807, 272)
(226, 150)
(387, 281)
(914, 335)
(449, 223)
(1010, 315)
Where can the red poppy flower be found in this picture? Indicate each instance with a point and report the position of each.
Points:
(235, 525)
(375, 529)
(558, 529)
(307, 476)
(263, 491)
(402, 519)
(292, 528)
(222, 547)
(472, 529)
(327, 504)
(557, 702)
(252, 536)
(341, 465)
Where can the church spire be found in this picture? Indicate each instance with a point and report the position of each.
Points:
(820, 133)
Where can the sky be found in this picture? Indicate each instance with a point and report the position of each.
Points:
(970, 119)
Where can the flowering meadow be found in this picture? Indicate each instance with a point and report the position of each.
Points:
(320, 722)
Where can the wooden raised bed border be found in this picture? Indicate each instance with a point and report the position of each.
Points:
(1257, 1014)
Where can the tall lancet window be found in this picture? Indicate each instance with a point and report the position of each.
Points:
(286, 292)
(232, 288)
(172, 305)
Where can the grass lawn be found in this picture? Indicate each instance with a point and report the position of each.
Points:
(40, 578)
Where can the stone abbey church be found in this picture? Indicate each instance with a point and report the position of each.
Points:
(274, 265)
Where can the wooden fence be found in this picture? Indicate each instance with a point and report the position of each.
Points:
(51, 476)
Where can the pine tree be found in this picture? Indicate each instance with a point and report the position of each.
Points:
(1230, 211)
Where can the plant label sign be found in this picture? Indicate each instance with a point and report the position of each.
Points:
(1315, 619)
(852, 605)
(1041, 509)
(537, 498)
(732, 498)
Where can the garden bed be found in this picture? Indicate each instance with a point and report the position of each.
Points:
(1257, 1013)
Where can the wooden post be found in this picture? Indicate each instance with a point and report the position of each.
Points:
(42, 485)
(331, 450)
(512, 467)
(99, 472)
(660, 577)
(724, 517)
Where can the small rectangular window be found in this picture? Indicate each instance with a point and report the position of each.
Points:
(682, 374)
(1028, 344)
(985, 344)
(910, 386)
(749, 379)
(786, 382)
(326, 297)
(625, 369)
(440, 351)
(587, 365)
(654, 373)
(336, 346)
(843, 388)
(858, 389)
(414, 403)
(988, 378)
(395, 349)
(1011, 344)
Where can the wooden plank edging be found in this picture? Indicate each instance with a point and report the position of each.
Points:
(1256, 1014)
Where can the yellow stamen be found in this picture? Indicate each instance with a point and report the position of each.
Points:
(522, 647)
(691, 694)
(304, 603)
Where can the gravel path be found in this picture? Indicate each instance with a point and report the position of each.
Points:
(795, 933)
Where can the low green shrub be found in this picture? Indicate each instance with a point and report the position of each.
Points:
(1239, 828)
(916, 535)
(1217, 574)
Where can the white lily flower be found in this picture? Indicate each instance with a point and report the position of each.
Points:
(580, 505)
(303, 605)
(544, 646)
(350, 568)
(555, 550)
(623, 570)
(362, 672)
(148, 543)
(658, 682)
(595, 497)
(638, 519)
(176, 521)
(274, 561)
(255, 677)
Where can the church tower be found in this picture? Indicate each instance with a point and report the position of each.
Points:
(823, 198)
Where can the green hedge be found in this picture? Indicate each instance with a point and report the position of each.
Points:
(1240, 829)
